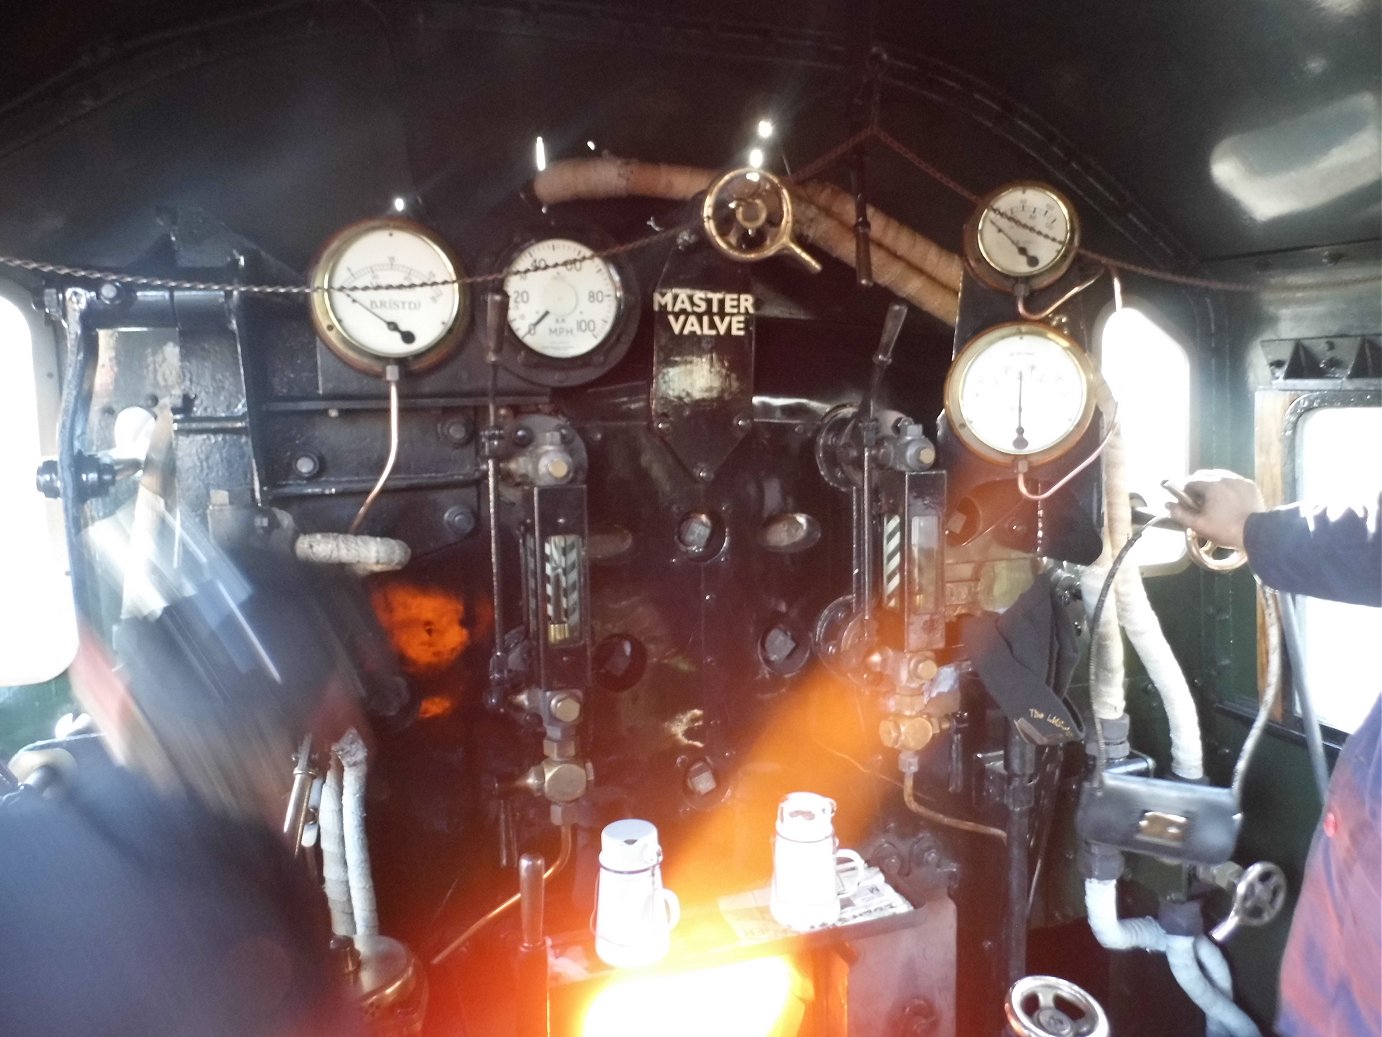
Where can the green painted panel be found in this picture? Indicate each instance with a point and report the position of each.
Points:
(28, 712)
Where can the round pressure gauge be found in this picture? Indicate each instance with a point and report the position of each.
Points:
(366, 308)
(1020, 392)
(1021, 234)
(563, 299)
(569, 318)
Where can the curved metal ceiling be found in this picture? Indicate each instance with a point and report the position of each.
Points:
(1235, 128)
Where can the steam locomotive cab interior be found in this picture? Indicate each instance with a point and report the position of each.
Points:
(710, 404)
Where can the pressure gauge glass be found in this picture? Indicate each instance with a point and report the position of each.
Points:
(564, 301)
(1024, 232)
(1020, 391)
(366, 308)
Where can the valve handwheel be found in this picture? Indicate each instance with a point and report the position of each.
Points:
(747, 215)
(1047, 1006)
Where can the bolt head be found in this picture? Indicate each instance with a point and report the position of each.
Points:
(307, 466)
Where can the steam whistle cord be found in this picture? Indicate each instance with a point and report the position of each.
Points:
(1305, 703)
(562, 858)
(1271, 614)
(1268, 699)
(391, 375)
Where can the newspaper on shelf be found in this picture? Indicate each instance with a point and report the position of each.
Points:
(748, 914)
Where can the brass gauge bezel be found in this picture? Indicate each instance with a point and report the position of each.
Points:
(977, 347)
(1009, 277)
(542, 368)
(353, 350)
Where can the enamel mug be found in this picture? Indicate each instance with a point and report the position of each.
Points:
(807, 882)
(634, 915)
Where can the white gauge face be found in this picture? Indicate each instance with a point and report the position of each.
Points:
(1024, 231)
(561, 311)
(393, 323)
(1020, 391)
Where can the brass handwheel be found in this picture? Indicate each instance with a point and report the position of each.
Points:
(747, 215)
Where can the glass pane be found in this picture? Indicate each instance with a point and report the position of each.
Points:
(38, 632)
(1341, 640)
(1149, 374)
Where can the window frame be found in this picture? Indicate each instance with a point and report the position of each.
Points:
(1153, 313)
(1308, 401)
(47, 383)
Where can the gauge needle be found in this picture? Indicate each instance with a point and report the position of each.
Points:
(407, 336)
(1021, 249)
(533, 326)
(1020, 440)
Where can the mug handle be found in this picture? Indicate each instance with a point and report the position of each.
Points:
(859, 867)
(671, 905)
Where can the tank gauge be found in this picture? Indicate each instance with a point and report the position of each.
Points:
(569, 317)
(1020, 392)
(366, 307)
(1021, 234)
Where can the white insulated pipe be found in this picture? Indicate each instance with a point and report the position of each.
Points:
(1112, 932)
(1208, 986)
(353, 755)
(1219, 1010)
(335, 874)
(1144, 630)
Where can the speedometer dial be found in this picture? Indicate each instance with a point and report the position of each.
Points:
(564, 301)
(1020, 392)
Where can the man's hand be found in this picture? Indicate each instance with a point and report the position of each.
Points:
(1225, 499)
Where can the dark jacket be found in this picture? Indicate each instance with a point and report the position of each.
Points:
(1332, 969)
(124, 912)
(1333, 553)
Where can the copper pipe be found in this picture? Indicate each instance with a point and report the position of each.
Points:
(945, 819)
(562, 858)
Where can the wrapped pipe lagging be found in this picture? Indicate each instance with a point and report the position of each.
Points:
(335, 874)
(353, 756)
(924, 273)
(1143, 629)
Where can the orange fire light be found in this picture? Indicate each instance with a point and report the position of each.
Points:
(425, 624)
(753, 998)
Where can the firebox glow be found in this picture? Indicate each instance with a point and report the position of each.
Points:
(743, 999)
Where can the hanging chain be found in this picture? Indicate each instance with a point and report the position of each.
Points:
(87, 274)
(811, 169)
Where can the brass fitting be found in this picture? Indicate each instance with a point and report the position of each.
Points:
(909, 733)
(560, 781)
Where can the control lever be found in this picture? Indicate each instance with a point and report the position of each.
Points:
(1258, 897)
(883, 355)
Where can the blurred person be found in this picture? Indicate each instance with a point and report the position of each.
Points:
(159, 896)
(1331, 973)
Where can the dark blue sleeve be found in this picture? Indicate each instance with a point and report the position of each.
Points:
(1325, 552)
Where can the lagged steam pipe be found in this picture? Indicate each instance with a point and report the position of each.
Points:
(1143, 629)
